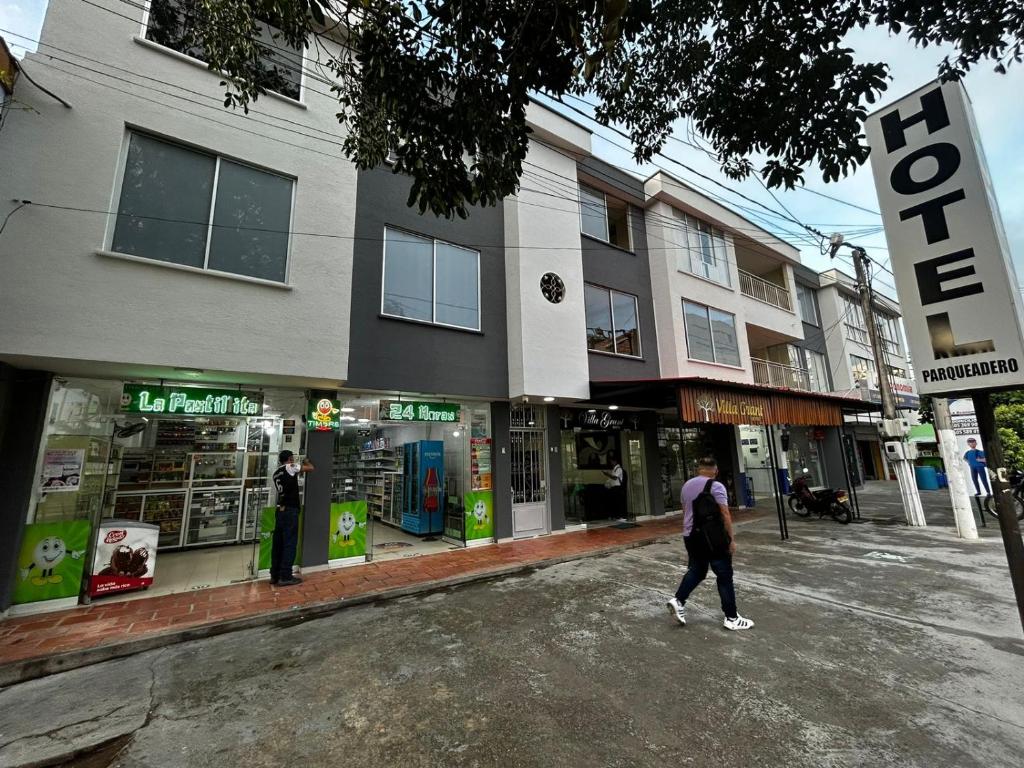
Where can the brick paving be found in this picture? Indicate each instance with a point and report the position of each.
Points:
(111, 623)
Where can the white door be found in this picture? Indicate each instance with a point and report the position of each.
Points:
(527, 438)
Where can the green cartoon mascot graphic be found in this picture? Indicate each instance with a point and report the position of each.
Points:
(47, 555)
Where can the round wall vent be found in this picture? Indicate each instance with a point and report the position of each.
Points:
(552, 287)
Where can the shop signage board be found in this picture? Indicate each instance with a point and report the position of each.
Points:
(348, 531)
(125, 557)
(599, 419)
(413, 410)
(322, 415)
(903, 390)
(196, 401)
(51, 561)
(955, 280)
(62, 469)
(714, 405)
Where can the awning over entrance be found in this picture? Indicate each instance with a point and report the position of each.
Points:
(712, 401)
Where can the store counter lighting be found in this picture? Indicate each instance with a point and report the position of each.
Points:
(347, 409)
(363, 421)
(549, 399)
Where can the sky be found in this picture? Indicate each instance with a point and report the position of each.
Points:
(999, 111)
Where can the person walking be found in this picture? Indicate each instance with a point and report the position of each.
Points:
(976, 460)
(286, 519)
(708, 536)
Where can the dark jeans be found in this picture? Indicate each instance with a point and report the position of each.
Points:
(284, 543)
(700, 559)
(981, 472)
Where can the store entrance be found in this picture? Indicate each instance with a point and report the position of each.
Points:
(426, 483)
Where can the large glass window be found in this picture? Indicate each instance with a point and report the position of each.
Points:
(853, 316)
(817, 371)
(711, 334)
(173, 23)
(604, 218)
(612, 322)
(702, 249)
(168, 194)
(862, 368)
(807, 303)
(430, 280)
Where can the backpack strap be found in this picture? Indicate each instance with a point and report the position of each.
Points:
(708, 485)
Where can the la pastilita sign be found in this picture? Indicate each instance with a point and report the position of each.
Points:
(954, 276)
(164, 399)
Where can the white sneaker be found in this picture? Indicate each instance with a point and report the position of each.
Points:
(738, 623)
(678, 610)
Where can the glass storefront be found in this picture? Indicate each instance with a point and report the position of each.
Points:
(423, 469)
(589, 440)
(805, 454)
(680, 450)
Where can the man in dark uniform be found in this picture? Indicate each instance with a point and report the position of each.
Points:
(286, 522)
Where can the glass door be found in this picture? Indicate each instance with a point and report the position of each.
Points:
(636, 473)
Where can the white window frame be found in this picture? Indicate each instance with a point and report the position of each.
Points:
(809, 291)
(611, 310)
(607, 226)
(707, 308)
(433, 284)
(688, 227)
(115, 203)
(141, 37)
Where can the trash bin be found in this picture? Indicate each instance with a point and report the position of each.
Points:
(783, 480)
(926, 478)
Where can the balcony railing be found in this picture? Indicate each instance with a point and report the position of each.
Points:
(778, 375)
(762, 290)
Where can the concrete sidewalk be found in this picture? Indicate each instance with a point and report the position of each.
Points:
(40, 644)
(874, 645)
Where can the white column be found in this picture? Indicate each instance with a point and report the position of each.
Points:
(963, 512)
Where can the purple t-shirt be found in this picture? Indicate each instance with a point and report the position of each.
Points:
(693, 488)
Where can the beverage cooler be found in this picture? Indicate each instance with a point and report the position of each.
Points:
(422, 492)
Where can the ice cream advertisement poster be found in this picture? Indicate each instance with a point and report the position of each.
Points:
(51, 561)
(125, 557)
(62, 469)
(479, 515)
(348, 530)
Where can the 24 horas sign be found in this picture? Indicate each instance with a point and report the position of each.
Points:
(955, 280)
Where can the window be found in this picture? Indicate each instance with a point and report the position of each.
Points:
(807, 303)
(899, 373)
(862, 368)
(430, 280)
(172, 23)
(817, 371)
(702, 249)
(889, 330)
(604, 218)
(853, 316)
(612, 322)
(187, 207)
(711, 334)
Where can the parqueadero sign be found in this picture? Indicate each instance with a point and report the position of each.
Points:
(953, 271)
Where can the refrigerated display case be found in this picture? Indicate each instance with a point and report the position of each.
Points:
(422, 492)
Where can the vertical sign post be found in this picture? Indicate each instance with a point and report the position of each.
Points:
(954, 276)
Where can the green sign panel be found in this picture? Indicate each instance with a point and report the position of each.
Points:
(51, 561)
(164, 399)
(348, 530)
(479, 515)
(322, 415)
(411, 410)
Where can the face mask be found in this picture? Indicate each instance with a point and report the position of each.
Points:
(293, 469)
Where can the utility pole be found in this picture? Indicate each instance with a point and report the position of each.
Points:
(949, 449)
(892, 429)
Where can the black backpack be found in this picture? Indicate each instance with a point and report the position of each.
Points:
(708, 523)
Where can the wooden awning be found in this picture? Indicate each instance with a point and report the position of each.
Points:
(710, 401)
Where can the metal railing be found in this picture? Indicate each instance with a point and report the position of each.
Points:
(779, 375)
(763, 290)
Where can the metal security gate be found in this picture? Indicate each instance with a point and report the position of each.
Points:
(527, 439)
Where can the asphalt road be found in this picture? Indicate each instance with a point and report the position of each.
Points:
(875, 645)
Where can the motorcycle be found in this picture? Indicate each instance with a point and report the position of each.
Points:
(828, 501)
(1016, 481)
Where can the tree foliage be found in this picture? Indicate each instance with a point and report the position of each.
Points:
(438, 81)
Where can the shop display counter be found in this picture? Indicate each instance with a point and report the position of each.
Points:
(213, 516)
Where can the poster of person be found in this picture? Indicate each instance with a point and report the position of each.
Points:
(62, 469)
(969, 446)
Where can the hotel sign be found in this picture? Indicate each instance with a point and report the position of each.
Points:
(949, 253)
(189, 401)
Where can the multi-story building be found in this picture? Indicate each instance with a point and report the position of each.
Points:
(853, 367)
(193, 289)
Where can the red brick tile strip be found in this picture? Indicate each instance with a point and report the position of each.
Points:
(42, 644)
